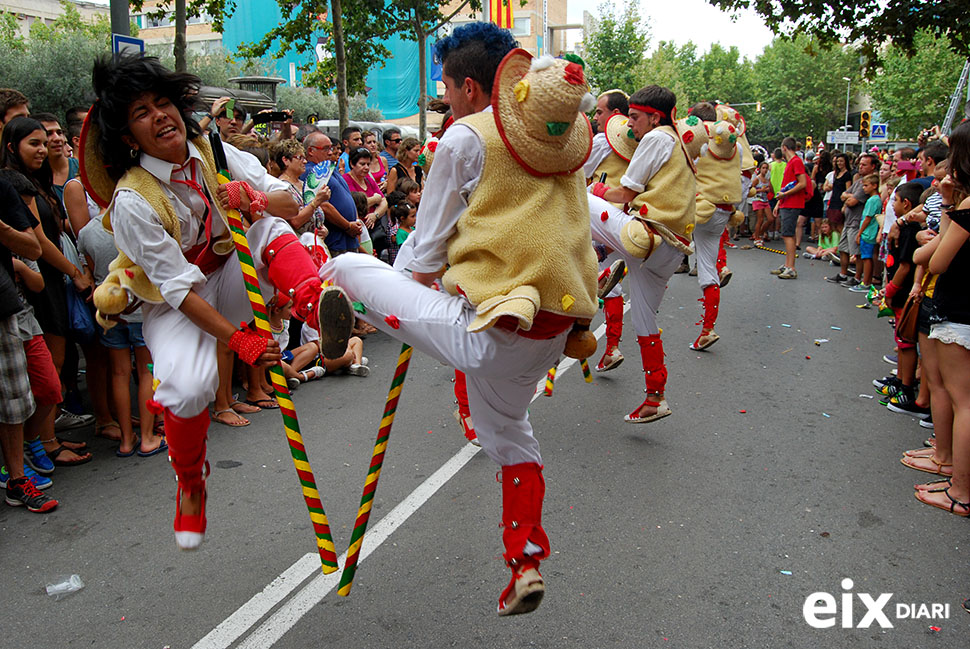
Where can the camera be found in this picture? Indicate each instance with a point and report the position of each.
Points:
(266, 118)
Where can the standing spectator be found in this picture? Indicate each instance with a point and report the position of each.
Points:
(17, 404)
(777, 167)
(406, 165)
(289, 158)
(359, 180)
(74, 118)
(227, 125)
(791, 202)
(853, 201)
(841, 179)
(392, 142)
(378, 168)
(63, 167)
(13, 103)
(351, 139)
(866, 238)
(340, 211)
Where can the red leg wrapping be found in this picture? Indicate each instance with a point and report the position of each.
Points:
(523, 489)
(613, 311)
(712, 301)
(721, 254)
(292, 271)
(186, 448)
(461, 394)
(652, 355)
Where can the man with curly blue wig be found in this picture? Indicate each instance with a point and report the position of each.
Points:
(503, 229)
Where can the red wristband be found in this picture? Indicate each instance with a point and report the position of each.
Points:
(599, 189)
(248, 345)
(257, 199)
(891, 290)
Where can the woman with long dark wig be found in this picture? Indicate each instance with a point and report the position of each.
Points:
(143, 153)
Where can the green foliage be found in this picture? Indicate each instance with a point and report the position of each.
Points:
(304, 101)
(867, 22)
(615, 48)
(799, 83)
(913, 93)
(52, 66)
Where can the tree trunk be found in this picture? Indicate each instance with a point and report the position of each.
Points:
(343, 104)
(180, 45)
(423, 81)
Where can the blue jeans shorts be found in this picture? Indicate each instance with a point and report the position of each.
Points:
(122, 336)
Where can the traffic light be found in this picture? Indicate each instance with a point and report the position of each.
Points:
(865, 124)
(808, 142)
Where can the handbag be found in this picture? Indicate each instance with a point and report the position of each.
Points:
(907, 324)
(80, 321)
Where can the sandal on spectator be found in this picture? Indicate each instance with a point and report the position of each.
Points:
(267, 403)
(236, 421)
(243, 408)
(80, 458)
(944, 506)
(162, 446)
(72, 445)
(911, 462)
(935, 485)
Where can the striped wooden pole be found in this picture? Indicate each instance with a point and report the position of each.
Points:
(291, 425)
(587, 375)
(374, 471)
(550, 380)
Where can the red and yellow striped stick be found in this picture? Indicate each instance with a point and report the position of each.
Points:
(374, 471)
(291, 425)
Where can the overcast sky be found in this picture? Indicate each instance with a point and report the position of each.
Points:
(689, 20)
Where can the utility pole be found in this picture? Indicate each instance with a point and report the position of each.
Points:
(120, 22)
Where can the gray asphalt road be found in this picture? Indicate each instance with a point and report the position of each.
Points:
(707, 529)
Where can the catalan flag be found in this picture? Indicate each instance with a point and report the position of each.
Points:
(500, 13)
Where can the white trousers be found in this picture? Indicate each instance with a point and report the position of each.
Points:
(501, 368)
(707, 240)
(647, 279)
(184, 356)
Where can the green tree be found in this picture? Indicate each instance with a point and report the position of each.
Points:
(185, 9)
(912, 93)
(867, 22)
(799, 83)
(52, 65)
(615, 48)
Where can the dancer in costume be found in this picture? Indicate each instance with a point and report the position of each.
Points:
(727, 113)
(504, 208)
(610, 160)
(654, 234)
(718, 191)
(143, 153)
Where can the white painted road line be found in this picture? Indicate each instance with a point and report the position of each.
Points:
(284, 619)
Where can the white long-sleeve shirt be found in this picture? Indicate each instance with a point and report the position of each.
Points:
(653, 151)
(138, 229)
(601, 149)
(455, 174)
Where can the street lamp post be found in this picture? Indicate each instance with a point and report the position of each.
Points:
(848, 84)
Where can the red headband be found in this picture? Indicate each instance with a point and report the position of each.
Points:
(648, 109)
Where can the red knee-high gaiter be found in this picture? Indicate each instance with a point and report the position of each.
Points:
(292, 271)
(721, 253)
(654, 369)
(523, 489)
(186, 448)
(712, 301)
(613, 311)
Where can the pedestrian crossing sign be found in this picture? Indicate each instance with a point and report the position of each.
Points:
(878, 132)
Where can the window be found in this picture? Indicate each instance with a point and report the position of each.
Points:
(522, 26)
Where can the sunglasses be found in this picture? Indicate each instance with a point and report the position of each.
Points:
(397, 141)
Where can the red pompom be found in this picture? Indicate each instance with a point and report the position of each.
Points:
(604, 216)
(730, 129)
(688, 137)
(574, 74)
(644, 210)
(155, 407)
(129, 273)
(393, 322)
(432, 146)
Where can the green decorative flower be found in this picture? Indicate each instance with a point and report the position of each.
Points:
(630, 134)
(693, 120)
(557, 128)
(422, 160)
(574, 58)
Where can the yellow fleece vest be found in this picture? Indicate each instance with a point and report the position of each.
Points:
(126, 273)
(718, 182)
(667, 202)
(523, 244)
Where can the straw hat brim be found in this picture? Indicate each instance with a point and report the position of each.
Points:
(538, 157)
(94, 175)
(618, 137)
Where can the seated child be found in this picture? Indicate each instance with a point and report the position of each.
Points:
(352, 362)
(828, 244)
(294, 360)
